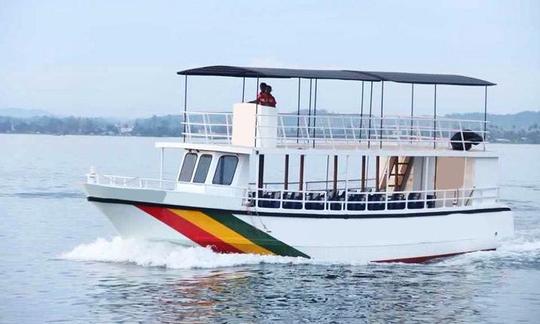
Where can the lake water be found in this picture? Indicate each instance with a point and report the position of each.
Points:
(62, 261)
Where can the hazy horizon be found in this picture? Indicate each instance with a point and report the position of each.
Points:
(120, 59)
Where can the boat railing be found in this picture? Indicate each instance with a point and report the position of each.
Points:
(208, 127)
(335, 131)
(131, 182)
(355, 200)
(341, 201)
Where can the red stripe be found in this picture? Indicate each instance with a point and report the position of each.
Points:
(188, 229)
(423, 259)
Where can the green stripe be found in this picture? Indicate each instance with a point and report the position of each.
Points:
(254, 234)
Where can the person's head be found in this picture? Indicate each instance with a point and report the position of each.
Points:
(263, 87)
(268, 89)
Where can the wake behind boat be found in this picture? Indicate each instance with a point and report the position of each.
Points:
(354, 187)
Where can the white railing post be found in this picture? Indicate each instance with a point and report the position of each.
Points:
(399, 131)
(161, 163)
(330, 131)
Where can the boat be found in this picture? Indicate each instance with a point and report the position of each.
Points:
(362, 187)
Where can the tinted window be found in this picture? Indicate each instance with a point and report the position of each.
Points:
(202, 168)
(187, 168)
(225, 170)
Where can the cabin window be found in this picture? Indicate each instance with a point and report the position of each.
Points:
(187, 168)
(202, 168)
(225, 170)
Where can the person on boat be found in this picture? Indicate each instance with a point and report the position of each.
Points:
(265, 97)
(271, 100)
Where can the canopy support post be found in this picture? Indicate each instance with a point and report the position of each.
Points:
(370, 112)
(377, 173)
(346, 181)
(412, 110)
(435, 117)
(309, 108)
(256, 111)
(260, 177)
(286, 173)
(301, 175)
(361, 112)
(315, 111)
(363, 180)
(335, 180)
(382, 114)
(243, 88)
(485, 115)
(327, 169)
(298, 112)
(185, 106)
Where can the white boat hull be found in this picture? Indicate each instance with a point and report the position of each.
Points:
(384, 237)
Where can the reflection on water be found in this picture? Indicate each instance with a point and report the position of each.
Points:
(55, 269)
(302, 292)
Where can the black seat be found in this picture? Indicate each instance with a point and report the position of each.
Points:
(314, 205)
(356, 201)
(290, 204)
(336, 196)
(430, 201)
(275, 199)
(396, 201)
(412, 204)
(373, 205)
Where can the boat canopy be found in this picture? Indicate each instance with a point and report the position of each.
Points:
(276, 73)
(280, 73)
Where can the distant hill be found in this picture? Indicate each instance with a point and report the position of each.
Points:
(522, 127)
(23, 113)
(519, 121)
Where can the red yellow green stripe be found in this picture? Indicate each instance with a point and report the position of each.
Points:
(222, 231)
(189, 230)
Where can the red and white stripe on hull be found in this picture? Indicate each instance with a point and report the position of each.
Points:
(422, 259)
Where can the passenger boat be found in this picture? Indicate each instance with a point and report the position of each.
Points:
(332, 187)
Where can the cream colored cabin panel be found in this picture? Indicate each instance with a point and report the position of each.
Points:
(247, 126)
(450, 172)
(243, 128)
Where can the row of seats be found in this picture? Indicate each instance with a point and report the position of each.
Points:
(336, 200)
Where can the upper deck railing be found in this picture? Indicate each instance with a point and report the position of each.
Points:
(334, 131)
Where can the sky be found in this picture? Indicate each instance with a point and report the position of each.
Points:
(119, 58)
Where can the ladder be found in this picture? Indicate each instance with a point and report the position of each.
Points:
(397, 172)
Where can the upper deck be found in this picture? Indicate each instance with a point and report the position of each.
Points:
(255, 126)
(260, 127)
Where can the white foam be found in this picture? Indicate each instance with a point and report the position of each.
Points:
(169, 255)
(164, 254)
(519, 249)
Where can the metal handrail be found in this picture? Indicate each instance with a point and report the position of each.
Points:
(252, 197)
(441, 198)
(296, 130)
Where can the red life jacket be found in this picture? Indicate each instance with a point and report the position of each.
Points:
(266, 99)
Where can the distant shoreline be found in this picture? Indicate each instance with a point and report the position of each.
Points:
(518, 128)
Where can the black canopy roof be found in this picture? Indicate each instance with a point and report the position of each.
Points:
(423, 78)
(254, 72)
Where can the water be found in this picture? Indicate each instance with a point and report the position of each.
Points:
(62, 261)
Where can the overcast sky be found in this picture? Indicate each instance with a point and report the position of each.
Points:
(119, 58)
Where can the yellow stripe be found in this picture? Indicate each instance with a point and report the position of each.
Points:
(221, 231)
